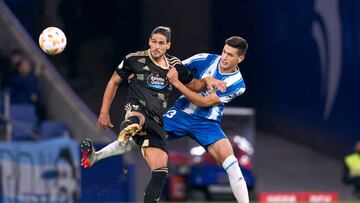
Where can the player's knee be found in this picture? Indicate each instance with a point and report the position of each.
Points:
(229, 161)
(154, 188)
(130, 120)
(139, 117)
(134, 119)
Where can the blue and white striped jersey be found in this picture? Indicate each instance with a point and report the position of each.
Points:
(207, 65)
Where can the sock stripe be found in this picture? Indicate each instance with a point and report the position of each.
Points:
(162, 169)
(232, 163)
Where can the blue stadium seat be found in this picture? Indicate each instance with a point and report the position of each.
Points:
(23, 130)
(23, 112)
(52, 129)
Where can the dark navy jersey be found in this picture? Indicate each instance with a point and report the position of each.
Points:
(150, 88)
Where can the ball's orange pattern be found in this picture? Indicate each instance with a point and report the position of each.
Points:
(52, 41)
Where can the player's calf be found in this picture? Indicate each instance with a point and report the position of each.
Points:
(153, 190)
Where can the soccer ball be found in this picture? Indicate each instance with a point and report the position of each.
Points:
(52, 40)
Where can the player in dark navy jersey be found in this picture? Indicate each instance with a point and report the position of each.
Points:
(149, 88)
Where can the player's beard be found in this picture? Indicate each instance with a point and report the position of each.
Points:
(156, 55)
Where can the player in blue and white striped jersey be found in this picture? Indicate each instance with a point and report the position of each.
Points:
(198, 115)
(207, 65)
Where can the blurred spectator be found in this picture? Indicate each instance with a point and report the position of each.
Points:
(352, 169)
(15, 57)
(23, 85)
(8, 66)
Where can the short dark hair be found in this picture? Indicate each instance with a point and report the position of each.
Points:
(239, 43)
(166, 31)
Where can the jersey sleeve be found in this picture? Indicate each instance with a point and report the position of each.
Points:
(236, 87)
(185, 76)
(124, 69)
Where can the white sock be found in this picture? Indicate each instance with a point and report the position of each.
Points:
(113, 149)
(237, 181)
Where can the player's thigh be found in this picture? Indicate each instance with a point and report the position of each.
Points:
(155, 157)
(134, 110)
(206, 132)
(220, 150)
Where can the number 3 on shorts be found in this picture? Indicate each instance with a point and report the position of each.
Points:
(170, 113)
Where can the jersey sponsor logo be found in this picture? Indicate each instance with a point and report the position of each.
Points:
(155, 81)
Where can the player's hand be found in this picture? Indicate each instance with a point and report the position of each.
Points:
(104, 121)
(173, 75)
(213, 83)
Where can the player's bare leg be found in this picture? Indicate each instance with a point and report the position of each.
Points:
(223, 153)
(90, 156)
(157, 161)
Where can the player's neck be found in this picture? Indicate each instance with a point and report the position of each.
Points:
(228, 70)
(161, 61)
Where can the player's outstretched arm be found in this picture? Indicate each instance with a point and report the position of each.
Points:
(110, 92)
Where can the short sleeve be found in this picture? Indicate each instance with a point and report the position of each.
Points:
(124, 69)
(185, 76)
(195, 61)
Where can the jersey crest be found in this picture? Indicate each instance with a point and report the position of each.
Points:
(154, 80)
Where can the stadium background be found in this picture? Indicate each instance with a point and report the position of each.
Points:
(301, 70)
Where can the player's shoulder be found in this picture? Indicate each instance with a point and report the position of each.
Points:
(201, 57)
(234, 79)
(173, 60)
(137, 54)
(238, 77)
